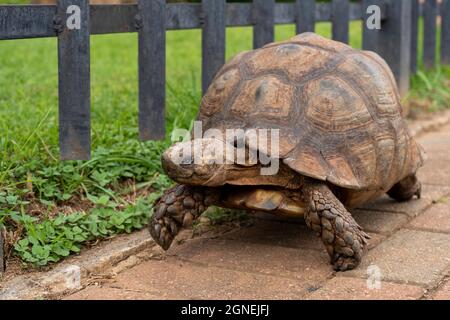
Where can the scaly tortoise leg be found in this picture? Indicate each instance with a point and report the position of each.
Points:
(405, 189)
(178, 207)
(342, 236)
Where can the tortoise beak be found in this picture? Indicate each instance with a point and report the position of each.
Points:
(176, 171)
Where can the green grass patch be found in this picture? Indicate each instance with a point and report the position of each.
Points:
(53, 239)
(430, 89)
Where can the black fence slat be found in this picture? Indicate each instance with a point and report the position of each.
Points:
(263, 18)
(445, 32)
(306, 15)
(393, 40)
(340, 19)
(414, 33)
(355, 10)
(152, 69)
(429, 33)
(213, 39)
(74, 79)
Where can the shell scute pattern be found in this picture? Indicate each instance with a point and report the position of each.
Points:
(337, 109)
(266, 97)
(293, 61)
(369, 76)
(332, 105)
(315, 41)
(219, 92)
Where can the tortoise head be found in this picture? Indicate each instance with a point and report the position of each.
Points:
(208, 162)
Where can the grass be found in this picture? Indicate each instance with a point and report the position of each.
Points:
(430, 89)
(50, 208)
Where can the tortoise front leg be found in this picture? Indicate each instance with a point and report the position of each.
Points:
(178, 207)
(342, 236)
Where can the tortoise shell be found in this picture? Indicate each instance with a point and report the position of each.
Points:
(337, 109)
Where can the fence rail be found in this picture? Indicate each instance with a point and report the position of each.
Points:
(396, 42)
(36, 21)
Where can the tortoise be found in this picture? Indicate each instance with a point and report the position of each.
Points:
(342, 142)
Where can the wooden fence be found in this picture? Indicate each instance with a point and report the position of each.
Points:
(396, 42)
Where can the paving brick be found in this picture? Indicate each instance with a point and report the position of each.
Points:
(436, 171)
(277, 233)
(375, 240)
(291, 235)
(174, 279)
(379, 222)
(442, 293)
(412, 256)
(436, 152)
(307, 266)
(105, 292)
(261, 215)
(436, 218)
(413, 207)
(430, 122)
(345, 288)
(437, 167)
(434, 142)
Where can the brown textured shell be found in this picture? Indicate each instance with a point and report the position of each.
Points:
(338, 110)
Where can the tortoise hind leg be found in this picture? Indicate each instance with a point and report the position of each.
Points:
(342, 236)
(405, 189)
(178, 207)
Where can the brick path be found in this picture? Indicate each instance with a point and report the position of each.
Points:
(276, 258)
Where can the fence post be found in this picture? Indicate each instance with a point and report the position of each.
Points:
(429, 33)
(445, 32)
(414, 34)
(340, 18)
(263, 18)
(393, 40)
(151, 22)
(213, 39)
(72, 24)
(305, 15)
